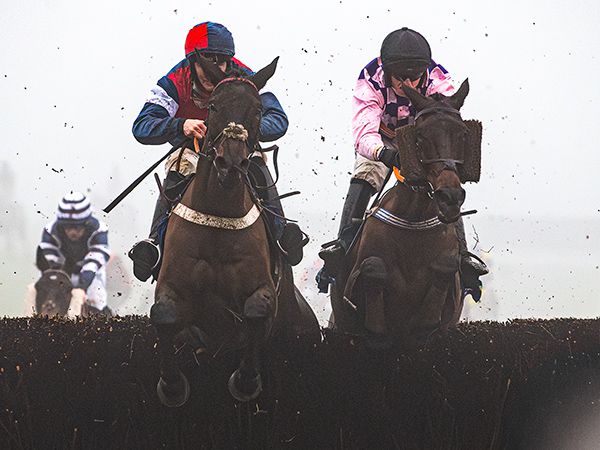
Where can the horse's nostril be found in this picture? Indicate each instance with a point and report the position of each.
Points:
(450, 196)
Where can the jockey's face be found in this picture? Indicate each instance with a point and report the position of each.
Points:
(74, 232)
(397, 84)
(206, 84)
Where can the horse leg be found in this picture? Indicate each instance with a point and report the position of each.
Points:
(245, 383)
(173, 388)
(443, 276)
(369, 280)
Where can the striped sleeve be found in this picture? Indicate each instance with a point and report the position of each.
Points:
(97, 256)
(49, 248)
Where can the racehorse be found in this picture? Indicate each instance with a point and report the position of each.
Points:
(222, 285)
(400, 280)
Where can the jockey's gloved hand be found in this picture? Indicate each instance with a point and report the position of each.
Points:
(389, 157)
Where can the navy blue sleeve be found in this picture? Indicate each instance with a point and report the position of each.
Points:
(154, 126)
(274, 122)
(156, 123)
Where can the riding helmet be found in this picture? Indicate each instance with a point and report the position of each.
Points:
(405, 51)
(209, 37)
(74, 209)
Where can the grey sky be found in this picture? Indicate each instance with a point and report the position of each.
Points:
(74, 75)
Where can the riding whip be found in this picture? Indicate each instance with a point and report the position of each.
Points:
(139, 179)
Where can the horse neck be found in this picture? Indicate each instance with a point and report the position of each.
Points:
(408, 204)
(206, 195)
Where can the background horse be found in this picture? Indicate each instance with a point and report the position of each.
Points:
(53, 293)
(401, 279)
(221, 286)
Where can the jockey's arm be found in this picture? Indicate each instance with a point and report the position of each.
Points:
(156, 123)
(367, 109)
(96, 257)
(274, 122)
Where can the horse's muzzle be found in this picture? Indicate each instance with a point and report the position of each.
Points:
(449, 202)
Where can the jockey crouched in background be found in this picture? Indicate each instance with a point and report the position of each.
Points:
(379, 106)
(76, 242)
(176, 110)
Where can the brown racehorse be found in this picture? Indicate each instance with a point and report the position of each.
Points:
(53, 293)
(220, 280)
(401, 278)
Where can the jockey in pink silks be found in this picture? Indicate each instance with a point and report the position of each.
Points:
(379, 106)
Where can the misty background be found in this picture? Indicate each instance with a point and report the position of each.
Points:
(74, 75)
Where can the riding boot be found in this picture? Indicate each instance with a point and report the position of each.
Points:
(357, 200)
(146, 254)
(290, 238)
(471, 266)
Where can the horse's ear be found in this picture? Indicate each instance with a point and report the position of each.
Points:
(458, 99)
(261, 77)
(210, 69)
(416, 98)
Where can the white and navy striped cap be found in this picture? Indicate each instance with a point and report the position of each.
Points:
(74, 209)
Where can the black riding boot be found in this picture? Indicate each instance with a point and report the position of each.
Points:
(290, 238)
(471, 266)
(146, 254)
(357, 200)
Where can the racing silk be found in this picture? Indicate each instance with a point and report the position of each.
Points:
(377, 111)
(84, 257)
(173, 100)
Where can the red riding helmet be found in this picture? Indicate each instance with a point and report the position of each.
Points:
(209, 37)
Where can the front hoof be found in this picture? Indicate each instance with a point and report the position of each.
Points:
(173, 394)
(242, 389)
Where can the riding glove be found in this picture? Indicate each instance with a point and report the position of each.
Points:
(389, 157)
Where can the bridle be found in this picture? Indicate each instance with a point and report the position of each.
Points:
(447, 163)
(231, 131)
(424, 185)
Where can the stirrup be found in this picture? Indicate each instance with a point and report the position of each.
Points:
(475, 263)
(145, 256)
(292, 242)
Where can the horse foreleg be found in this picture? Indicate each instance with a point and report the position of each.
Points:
(443, 275)
(173, 388)
(370, 280)
(245, 383)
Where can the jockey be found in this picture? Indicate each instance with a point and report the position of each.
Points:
(77, 243)
(379, 107)
(176, 110)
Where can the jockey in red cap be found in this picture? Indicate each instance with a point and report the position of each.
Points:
(176, 110)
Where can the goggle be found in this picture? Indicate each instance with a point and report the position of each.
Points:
(407, 75)
(216, 58)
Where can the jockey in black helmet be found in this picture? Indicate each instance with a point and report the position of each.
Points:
(379, 107)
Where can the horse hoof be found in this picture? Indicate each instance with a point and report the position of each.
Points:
(244, 390)
(174, 394)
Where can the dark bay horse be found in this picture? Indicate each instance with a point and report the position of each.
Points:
(401, 278)
(53, 293)
(221, 282)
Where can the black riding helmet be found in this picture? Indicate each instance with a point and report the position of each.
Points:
(405, 53)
